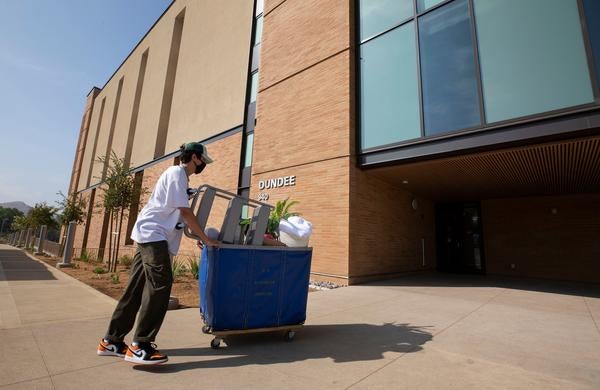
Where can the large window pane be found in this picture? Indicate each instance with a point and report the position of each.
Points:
(249, 148)
(389, 88)
(449, 83)
(532, 57)
(254, 87)
(422, 5)
(592, 13)
(379, 15)
(259, 29)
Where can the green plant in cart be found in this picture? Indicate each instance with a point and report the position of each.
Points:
(281, 211)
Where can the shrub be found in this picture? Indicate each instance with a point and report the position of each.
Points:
(178, 268)
(99, 270)
(87, 257)
(126, 260)
(114, 278)
(194, 266)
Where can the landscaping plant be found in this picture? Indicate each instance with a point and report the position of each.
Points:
(119, 193)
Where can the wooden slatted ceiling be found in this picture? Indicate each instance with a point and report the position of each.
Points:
(566, 167)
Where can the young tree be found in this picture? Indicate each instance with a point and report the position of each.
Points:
(21, 222)
(9, 215)
(71, 208)
(119, 192)
(42, 214)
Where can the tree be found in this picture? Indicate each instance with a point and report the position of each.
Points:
(21, 222)
(71, 208)
(42, 214)
(9, 215)
(119, 192)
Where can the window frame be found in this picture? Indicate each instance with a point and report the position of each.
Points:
(485, 127)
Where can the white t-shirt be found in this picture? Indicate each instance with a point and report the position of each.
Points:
(158, 218)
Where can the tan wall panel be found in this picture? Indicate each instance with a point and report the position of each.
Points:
(110, 93)
(300, 33)
(323, 192)
(159, 42)
(306, 118)
(210, 84)
(129, 72)
(525, 232)
(386, 232)
(89, 146)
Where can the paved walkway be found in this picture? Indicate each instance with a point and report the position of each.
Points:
(425, 332)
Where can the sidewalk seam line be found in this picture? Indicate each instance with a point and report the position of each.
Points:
(37, 344)
(591, 315)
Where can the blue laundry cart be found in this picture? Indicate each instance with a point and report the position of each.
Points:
(246, 289)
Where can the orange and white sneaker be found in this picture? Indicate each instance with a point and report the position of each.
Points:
(106, 348)
(145, 353)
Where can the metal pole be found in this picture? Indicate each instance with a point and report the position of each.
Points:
(41, 239)
(68, 252)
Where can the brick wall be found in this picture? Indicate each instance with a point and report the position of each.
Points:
(303, 121)
(526, 232)
(80, 231)
(223, 173)
(386, 232)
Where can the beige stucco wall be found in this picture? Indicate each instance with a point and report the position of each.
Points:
(87, 153)
(210, 83)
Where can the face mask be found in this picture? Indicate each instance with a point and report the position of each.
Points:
(200, 167)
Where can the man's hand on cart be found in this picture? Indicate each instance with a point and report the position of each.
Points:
(209, 242)
(190, 219)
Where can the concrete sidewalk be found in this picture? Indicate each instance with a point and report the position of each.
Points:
(426, 332)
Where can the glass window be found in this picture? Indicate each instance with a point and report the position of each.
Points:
(389, 88)
(592, 13)
(254, 87)
(423, 5)
(259, 28)
(532, 57)
(449, 82)
(377, 16)
(248, 151)
(259, 6)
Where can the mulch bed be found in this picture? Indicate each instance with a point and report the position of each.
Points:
(185, 287)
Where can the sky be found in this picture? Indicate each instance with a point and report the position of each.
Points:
(52, 52)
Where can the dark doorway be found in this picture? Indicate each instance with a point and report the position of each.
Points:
(459, 238)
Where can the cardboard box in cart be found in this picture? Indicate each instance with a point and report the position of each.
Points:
(246, 288)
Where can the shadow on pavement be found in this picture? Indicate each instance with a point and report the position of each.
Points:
(20, 267)
(591, 290)
(341, 343)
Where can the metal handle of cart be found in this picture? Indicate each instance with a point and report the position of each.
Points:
(231, 230)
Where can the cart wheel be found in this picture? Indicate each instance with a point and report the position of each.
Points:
(289, 335)
(215, 343)
(205, 329)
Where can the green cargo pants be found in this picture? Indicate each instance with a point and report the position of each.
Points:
(148, 291)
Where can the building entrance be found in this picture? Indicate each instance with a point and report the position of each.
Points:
(459, 238)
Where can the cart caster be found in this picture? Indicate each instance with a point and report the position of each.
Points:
(289, 335)
(215, 343)
(205, 329)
